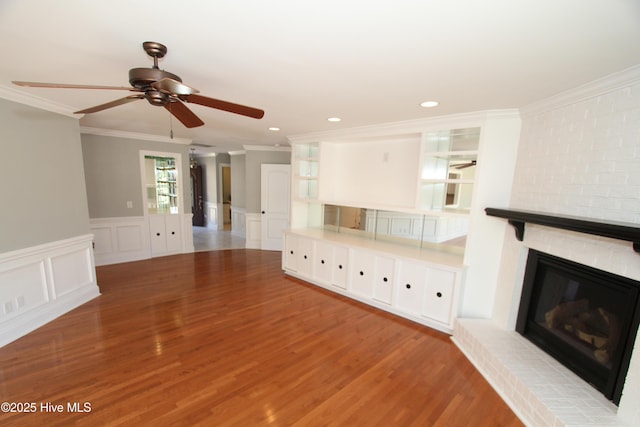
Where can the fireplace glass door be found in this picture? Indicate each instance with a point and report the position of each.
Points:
(585, 318)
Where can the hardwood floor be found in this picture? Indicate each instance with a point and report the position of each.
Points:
(224, 338)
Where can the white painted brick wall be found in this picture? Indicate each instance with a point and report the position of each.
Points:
(579, 158)
(583, 159)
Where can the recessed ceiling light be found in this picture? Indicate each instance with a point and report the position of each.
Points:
(429, 104)
(274, 129)
(334, 119)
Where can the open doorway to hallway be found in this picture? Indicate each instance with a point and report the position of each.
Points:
(209, 239)
(215, 231)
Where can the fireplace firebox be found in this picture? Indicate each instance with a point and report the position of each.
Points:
(585, 318)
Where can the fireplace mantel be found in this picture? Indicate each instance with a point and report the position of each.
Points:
(616, 230)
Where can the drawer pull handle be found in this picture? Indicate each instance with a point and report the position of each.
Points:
(291, 252)
(340, 266)
(157, 234)
(362, 273)
(321, 261)
(408, 286)
(439, 294)
(305, 257)
(384, 279)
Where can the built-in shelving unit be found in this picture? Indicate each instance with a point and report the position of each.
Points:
(305, 160)
(615, 230)
(447, 171)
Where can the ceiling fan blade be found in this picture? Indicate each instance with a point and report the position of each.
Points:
(224, 105)
(466, 165)
(70, 86)
(184, 114)
(173, 87)
(115, 103)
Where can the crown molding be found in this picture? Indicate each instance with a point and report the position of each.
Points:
(133, 135)
(403, 128)
(593, 89)
(265, 148)
(237, 153)
(21, 97)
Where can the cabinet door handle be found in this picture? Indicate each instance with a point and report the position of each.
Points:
(439, 294)
(362, 273)
(340, 266)
(408, 285)
(321, 261)
(305, 257)
(157, 234)
(173, 232)
(291, 252)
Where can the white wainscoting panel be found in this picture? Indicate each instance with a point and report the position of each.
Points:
(40, 283)
(187, 233)
(238, 221)
(211, 215)
(253, 239)
(120, 239)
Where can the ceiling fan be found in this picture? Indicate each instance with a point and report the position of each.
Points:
(160, 88)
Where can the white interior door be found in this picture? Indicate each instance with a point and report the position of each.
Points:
(275, 190)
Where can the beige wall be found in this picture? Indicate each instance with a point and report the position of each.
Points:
(43, 191)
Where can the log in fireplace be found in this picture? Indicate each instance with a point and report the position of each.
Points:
(585, 318)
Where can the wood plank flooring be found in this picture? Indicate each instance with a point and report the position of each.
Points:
(224, 338)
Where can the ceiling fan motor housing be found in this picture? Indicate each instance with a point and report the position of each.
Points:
(141, 78)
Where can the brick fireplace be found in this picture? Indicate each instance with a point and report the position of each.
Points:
(578, 155)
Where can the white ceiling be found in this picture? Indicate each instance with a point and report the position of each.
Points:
(365, 61)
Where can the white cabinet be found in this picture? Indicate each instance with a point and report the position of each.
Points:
(383, 279)
(165, 234)
(361, 274)
(298, 255)
(323, 263)
(411, 287)
(408, 287)
(372, 275)
(427, 291)
(340, 263)
(330, 263)
(439, 295)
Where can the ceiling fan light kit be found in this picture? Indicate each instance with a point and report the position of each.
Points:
(160, 88)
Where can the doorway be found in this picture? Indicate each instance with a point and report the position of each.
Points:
(226, 197)
(197, 196)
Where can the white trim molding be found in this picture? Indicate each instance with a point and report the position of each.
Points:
(21, 97)
(253, 228)
(133, 135)
(607, 84)
(40, 283)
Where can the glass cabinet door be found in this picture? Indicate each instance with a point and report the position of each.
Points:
(161, 177)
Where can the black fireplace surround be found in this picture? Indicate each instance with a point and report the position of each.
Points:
(585, 318)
